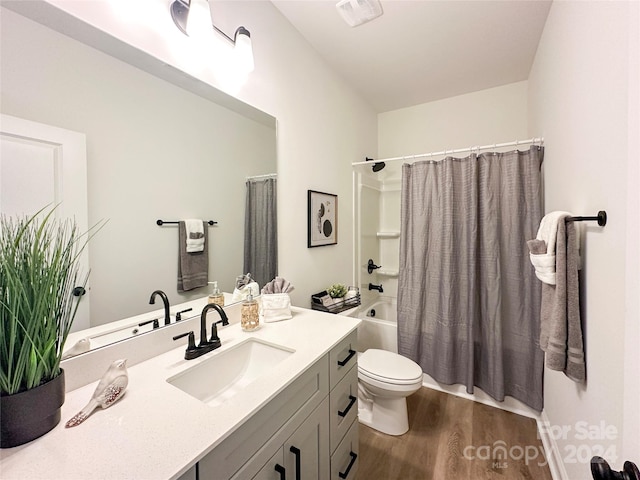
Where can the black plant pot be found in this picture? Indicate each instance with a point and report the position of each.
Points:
(28, 415)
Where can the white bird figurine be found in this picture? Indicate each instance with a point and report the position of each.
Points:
(81, 346)
(109, 390)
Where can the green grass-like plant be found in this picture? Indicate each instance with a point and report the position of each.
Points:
(337, 290)
(38, 272)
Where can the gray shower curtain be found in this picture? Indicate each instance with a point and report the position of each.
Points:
(260, 230)
(468, 299)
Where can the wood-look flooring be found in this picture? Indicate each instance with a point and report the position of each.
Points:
(451, 438)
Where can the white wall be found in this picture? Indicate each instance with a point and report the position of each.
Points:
(489, 116)
(631, 433)
(579, 100)
(323, 125)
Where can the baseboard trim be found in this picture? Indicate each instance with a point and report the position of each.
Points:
(552, 452)
(551, 449)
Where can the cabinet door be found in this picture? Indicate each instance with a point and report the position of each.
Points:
(273, 470)
(306, 452)
(189, 474)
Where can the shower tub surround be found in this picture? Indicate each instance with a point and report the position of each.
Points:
(379, 328)
(159, 431)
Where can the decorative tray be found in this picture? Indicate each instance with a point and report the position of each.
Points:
(323, 302)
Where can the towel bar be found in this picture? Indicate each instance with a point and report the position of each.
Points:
(162, 222)
(601, 218)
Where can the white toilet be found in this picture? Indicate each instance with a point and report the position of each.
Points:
(385, 380)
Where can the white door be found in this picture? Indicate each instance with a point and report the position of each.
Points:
(44, 165)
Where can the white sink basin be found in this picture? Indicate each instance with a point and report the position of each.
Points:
(226, 373)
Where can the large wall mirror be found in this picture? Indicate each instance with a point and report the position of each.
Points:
(154, 151)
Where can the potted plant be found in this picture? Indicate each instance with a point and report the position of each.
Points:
(337, 290)
(38, 273)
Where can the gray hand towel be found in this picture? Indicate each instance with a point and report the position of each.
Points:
(193, 267)
(560, 327)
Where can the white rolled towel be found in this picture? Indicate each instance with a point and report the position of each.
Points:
(195, 235)
(545, 267)
(275, 307)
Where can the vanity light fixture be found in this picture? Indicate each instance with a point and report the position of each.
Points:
(357, 12)
(193, 16)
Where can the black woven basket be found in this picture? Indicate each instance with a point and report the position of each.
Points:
(337, 307)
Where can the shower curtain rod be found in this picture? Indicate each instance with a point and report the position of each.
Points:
(516, 144)
(260, 177)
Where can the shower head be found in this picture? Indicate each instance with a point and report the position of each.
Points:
(377, 166)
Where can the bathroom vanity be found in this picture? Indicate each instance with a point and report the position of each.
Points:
(275, 402)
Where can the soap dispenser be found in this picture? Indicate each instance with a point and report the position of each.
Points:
(216, 295)
(250, 320)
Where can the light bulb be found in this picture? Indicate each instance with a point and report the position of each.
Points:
(243, 50)
(199, 24)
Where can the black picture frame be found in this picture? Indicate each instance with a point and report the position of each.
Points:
(322, 219)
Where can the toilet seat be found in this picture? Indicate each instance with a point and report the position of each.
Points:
(388, 367)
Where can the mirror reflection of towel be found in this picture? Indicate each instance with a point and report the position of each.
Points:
(195, 235)
(193, 267)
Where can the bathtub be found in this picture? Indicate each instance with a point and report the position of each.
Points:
(379, 327)
(381, 331)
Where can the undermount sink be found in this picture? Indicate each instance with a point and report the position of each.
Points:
(225, 374)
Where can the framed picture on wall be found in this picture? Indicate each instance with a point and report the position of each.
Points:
(322, 220)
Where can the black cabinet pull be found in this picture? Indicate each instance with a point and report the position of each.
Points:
(346, 410)
(280, 469)
(296, 452)
(345, 474)
(342, 363)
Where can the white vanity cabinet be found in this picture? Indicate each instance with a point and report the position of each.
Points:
(298, 434)
(303, 401)
(305, 455)
(343, 409)
(190, 474)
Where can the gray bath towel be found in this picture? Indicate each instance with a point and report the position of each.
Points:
(560, 327)
(193, 267)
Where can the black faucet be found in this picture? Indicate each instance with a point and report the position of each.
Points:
(154, 321)
(376, 287)
(205, 345)
(192, 351)
(372, 266)
(179, 314)
(165, 301)
(214, 331)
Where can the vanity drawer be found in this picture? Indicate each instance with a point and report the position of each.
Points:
(341, 358)
(343, 406)
(344, 461)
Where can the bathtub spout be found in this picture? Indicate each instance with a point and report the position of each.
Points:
(376, 287)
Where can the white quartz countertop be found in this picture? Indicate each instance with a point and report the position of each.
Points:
(156, 431)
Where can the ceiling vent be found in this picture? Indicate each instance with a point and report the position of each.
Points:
(357, 12)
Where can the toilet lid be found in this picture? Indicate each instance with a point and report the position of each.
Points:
(388, 366)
